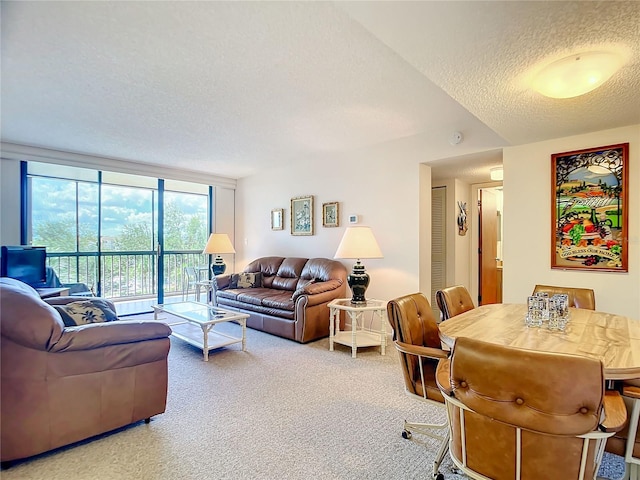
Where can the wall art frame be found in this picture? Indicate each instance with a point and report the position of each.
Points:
(330, 214)
(589, 209)
(277, 219)
(302, 215)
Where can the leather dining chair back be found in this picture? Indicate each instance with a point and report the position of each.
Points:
(453, 301)
(578, 297)
(416, 337)
(523, 414)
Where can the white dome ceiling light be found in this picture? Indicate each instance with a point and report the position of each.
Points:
(496, 173)
(577, 74)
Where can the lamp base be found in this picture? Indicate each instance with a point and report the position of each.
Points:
(218, 266)
(358, 281)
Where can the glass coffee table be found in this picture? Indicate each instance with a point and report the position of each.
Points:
(197, 322)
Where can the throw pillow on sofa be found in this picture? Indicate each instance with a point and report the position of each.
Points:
(85, 312)
(246, 280)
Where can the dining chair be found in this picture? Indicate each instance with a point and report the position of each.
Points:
(509, 419)
(415, 335)
(453, 301)
(578, 297)
(626, 443)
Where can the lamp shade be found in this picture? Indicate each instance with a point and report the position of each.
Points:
(358, 242)
(217, 244)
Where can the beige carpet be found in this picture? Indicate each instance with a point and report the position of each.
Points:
(280, 410)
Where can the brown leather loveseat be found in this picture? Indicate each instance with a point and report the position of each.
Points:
(288, 297)
(60, 385)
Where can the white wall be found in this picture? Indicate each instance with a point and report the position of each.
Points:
(462, 242)
(383, 189)
(527, 223)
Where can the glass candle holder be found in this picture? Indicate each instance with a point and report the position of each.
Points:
(534, 313)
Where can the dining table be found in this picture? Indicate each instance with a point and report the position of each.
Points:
(611, 338)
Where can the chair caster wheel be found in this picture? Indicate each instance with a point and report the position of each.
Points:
(439, 476)
(406, 434)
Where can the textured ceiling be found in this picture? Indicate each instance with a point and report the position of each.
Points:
(230, 88)
(482, 53)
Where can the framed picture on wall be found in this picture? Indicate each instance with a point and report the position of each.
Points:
(277, 219)
(302, 215)
(330, 214)
(589, 209)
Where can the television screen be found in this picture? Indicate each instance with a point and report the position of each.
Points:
(25, 263)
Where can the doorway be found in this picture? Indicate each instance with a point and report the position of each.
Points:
(486, 272)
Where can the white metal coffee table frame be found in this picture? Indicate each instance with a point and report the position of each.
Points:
(204, 316)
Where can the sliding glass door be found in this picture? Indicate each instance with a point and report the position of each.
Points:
(186, 227)
(128, 236)
(63, 215)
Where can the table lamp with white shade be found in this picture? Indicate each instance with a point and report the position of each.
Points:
(218, 243)
(358, 242)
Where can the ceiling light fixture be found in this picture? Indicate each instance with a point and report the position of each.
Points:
(496, 173)
(577, 74)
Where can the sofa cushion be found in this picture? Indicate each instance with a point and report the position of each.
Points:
(85, 312)
(246, 280)
(280, 300)
(258, 309)
(289, 274)
(268, 266)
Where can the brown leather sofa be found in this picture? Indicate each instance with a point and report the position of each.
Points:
(292, 299)
(578, 297)
(60, 385)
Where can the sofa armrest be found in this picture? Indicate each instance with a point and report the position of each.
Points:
(223, 281)
(96, 335)
(322, 292)
(320, 287)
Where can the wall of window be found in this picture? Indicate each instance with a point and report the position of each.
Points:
(89, 229)
(121, 234)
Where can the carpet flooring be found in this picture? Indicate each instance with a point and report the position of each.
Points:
(280, 410)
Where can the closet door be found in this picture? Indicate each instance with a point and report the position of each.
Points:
(438, 244)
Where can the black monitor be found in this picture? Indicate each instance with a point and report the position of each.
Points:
(25, 263)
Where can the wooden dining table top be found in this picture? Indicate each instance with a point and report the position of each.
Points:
(613, 339)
